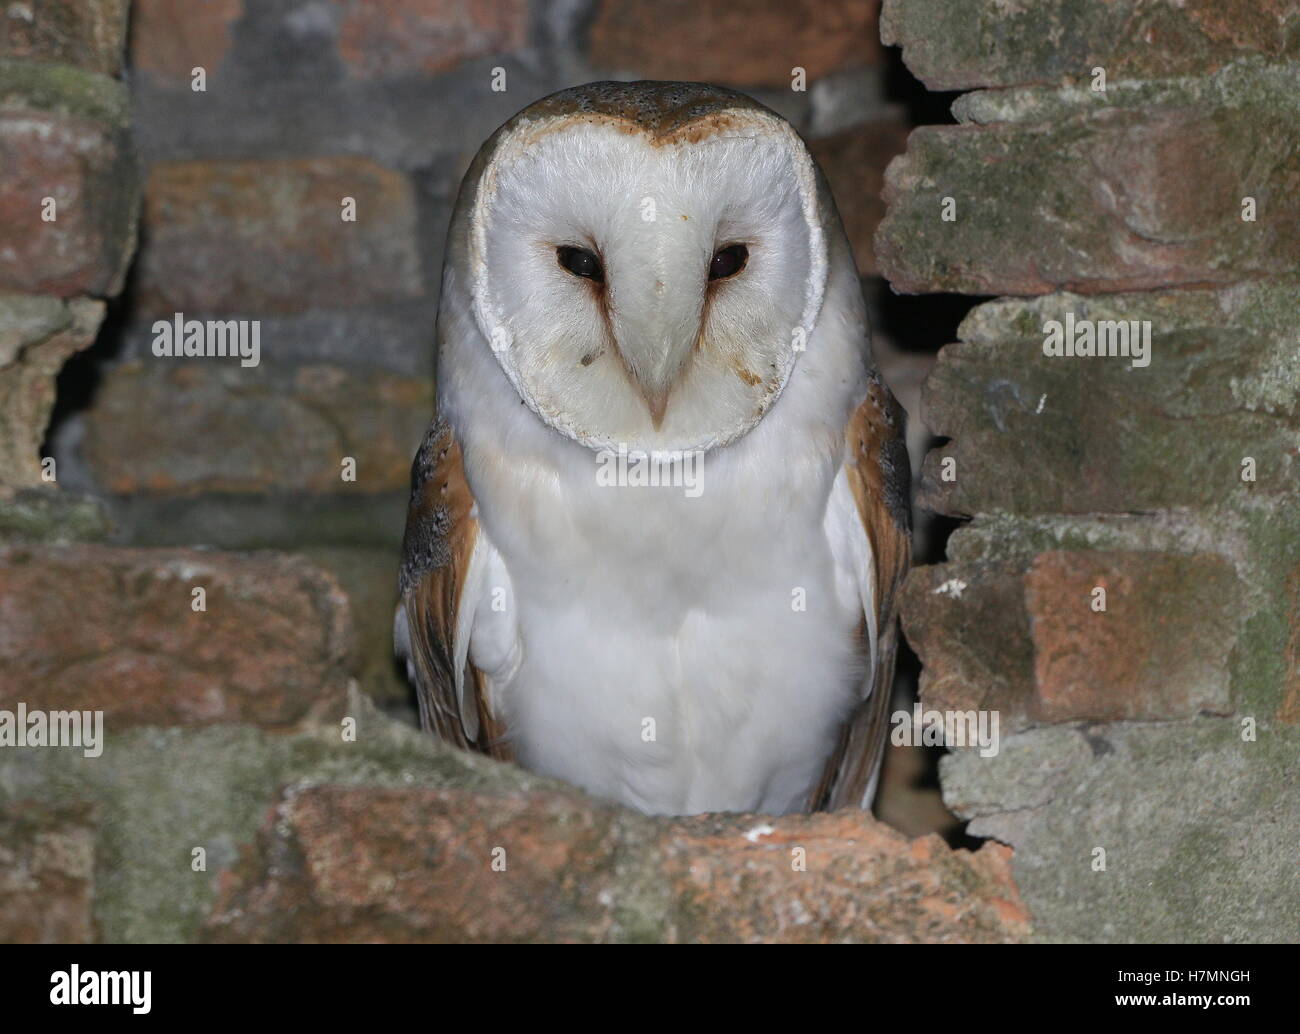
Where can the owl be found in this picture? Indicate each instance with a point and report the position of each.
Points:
(658, 525)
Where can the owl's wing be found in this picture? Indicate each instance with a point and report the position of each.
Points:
(870, 527)
(444, 579)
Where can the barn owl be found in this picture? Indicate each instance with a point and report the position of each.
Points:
(643, 281)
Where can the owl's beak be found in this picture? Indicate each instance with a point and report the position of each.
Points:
(656, 323)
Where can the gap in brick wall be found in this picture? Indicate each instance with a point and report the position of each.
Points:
(913, 328)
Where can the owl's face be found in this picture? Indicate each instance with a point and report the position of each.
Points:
(646, 287)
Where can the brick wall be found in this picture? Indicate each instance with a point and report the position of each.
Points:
(202, 573)
(1162, 729)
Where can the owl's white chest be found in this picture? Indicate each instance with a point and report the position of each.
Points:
(677, 654)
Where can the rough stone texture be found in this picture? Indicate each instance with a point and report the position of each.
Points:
(745, 43)
(389, 836)
(267, 236)
(1197, 824)
(1099, 435)
(419, 37)
(369, 577)
(1020, 635)
(1136, 188)
(1289, 711)
(37, 336)
(47, 874)
(41, 515)
(263, 429)
(170, 38)
(854, 163)
(957, 45)
(87, 168)
(346, 863)
(86, 33)
(273, 647)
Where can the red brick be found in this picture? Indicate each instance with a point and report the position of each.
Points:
(103, 628)
(338, 863)
(1160, 649)
(267, 237)
(88, 170)
(743, 43)
(262, 429)
(1019, 636)
(170, 38)
(426, 37)
(854, 163)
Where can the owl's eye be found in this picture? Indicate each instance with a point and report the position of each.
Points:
(728, 262)
(581, 262)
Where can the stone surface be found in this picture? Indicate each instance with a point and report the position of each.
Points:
(745, 43)
(1096, 434)
(957, 45)
(47, 874)
(854, 163)
(391, 832)
(87, 169)
(49, 515)
(272, 648)
(418, 37)
(1289, 711)
(348, 863)
(267, 237)
(37, 336)
(264, 429)
(1137, 188)
(1196, 823)
(1019, 635)
(369, 577)
(85, 33)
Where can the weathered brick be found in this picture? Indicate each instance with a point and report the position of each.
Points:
(113, 629)
(854, 163)
(419, 37)
(170, 38)
(87, 169)
(1141, 187)
(85, 33)
(745, 43)
(416, 864)
(267, 236)
(185, 426)
(37, 336)
(1098, 435)
(1019, 635)
(1289, 712)
(959, 44)
(47, 874)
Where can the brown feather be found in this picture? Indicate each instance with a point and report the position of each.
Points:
(880, 478)
(441, 534)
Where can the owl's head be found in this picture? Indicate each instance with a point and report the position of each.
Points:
(646, 260)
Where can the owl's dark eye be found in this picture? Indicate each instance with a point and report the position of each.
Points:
(728, 262)
(581, 262)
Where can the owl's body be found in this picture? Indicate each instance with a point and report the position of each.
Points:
(716, 645)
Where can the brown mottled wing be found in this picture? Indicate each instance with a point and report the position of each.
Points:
(438, 589)
(879, 477)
